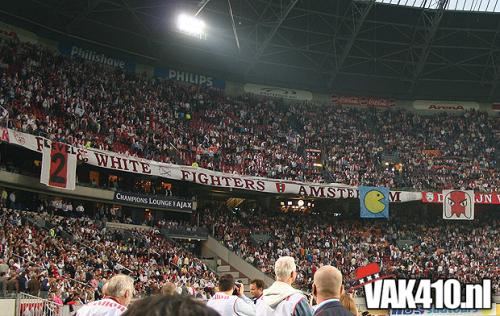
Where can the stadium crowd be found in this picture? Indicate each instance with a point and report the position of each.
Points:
(71, 261)
(407, 248)
(90, 105)
(87, 104)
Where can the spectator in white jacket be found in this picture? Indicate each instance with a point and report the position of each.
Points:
(281, 299)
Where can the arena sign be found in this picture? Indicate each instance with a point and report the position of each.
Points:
(114, 161)
(278, 92)
(447, 106)
(156, 202)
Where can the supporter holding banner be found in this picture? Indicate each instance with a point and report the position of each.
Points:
(374, 202)
(458, 204)
(58, 166)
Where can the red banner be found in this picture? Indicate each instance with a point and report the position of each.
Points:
(4, 135)
(479, 198)
(432, 152)
(363, 101)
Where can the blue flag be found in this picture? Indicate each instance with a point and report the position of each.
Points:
(374, 202)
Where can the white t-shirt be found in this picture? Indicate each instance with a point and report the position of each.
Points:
(104, 307)
(230, 305)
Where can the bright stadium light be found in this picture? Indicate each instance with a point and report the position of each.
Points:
(191, 26)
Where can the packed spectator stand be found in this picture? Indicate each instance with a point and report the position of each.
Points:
(87, 104)
(406, 246)
(72, 260)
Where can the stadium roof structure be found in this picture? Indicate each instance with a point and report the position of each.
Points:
(458, 5)
(433, 49)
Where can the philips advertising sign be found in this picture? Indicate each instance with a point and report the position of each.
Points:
(189, 77)
(95, 56)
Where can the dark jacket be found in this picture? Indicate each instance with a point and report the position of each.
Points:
(3, 286)
(34, 287)
(332, 309)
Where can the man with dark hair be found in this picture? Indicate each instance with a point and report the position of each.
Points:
(256, 289)
(173, 305)
(23, 282)
(231, 300)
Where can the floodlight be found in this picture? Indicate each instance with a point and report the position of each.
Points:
(191, 25)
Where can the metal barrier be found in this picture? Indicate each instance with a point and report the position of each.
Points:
(35, 306)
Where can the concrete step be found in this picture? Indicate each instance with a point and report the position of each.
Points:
(223, 268)
(235, 274)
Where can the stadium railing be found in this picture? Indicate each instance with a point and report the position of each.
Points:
(32, 305)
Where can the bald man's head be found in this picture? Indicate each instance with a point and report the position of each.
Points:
(327, 283)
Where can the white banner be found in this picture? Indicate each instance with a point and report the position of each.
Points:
(458, 204)
(58, 166)
(278, 92)
(449, 106)
(201, 176)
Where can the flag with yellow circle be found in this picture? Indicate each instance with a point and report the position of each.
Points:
(374, 202)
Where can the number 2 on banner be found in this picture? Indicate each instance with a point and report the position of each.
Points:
(58, 172)
(57, 178)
